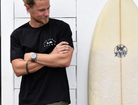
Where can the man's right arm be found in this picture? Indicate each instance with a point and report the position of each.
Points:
(19, 67)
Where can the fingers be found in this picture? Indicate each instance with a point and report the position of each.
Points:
(27, 56)
(63, 47)
(63, 43)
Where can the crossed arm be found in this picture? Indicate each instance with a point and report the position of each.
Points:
(59, 57)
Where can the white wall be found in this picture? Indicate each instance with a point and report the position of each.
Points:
(81, 15)
(87, 15)
(6, 70)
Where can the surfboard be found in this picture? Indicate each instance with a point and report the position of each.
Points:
(113, 59)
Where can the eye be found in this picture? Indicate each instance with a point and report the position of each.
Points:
(42, 10)
(48, 8)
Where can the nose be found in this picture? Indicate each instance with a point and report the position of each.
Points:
(46, 12)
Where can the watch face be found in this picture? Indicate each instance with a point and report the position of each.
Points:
(33, 56)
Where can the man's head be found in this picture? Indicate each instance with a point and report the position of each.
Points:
(39, 11)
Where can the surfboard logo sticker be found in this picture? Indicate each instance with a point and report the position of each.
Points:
(120, 51)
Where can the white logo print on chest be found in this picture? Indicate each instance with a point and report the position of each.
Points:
(49, 42)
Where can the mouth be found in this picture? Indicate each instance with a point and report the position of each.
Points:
(45, 17)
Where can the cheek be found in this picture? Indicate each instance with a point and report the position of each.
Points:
(36, 14)
(33, 14)
(39, 14)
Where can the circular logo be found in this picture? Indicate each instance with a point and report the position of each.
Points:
(49, 42)
(120, 51)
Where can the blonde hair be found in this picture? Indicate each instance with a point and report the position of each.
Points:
(31, 3)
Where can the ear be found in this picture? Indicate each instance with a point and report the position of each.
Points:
(28, 8)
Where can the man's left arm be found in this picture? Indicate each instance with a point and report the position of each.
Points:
(59, 57)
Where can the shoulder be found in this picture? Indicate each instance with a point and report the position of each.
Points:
(23, 27)
(58, 22)
(20, 29)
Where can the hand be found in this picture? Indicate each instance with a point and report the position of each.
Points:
(27, 56)
(62, 48)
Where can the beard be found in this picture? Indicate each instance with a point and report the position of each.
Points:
(41, 20)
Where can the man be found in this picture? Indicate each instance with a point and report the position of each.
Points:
(40, 51)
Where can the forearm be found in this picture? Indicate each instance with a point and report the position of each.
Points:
(19, 67)
(55, 60)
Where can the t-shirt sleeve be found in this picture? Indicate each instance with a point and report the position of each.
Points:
(66, 34)
(15, 49)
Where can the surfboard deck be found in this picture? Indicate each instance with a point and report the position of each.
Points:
(113, 60)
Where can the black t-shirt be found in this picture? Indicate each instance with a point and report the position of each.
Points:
(47, 85)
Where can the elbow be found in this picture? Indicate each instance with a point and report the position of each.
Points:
(67, 64)
(64, 64)
(17, 73)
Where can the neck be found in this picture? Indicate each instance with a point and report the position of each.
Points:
(35, 24)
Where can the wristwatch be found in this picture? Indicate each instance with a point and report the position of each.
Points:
(33, 57)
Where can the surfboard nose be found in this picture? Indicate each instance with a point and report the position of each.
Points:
(112, 63)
